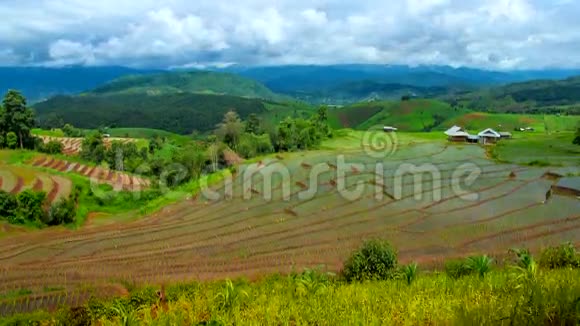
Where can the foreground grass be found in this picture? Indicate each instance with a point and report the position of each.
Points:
(500, 298)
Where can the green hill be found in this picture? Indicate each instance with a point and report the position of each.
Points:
(179, 113)
(538, 96)
(412, 115)
(198, 82)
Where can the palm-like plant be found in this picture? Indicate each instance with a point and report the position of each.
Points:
(480, 264)
(230, 296)
(410, 272)
(310, 282)
(126, 317)
(525, 263)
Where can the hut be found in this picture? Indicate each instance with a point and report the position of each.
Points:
(489, 136)
(474, 139)
(505, 135)
(456, 134)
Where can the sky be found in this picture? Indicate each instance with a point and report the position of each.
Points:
(489, 34)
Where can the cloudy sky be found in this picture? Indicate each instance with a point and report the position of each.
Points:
(494, 34)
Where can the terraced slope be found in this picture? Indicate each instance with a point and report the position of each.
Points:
(311, 218)
(72, 146)
(119, 180)
(14, 179)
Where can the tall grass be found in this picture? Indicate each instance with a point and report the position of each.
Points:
(520, 294)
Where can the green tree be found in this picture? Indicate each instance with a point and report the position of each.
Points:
(30, 206)
(8, 205)
(11, 140)
(93, 148)
(61, 212)
(69, 130)
(253, 125)
(17, 117)
(52, 147)
(230, 129)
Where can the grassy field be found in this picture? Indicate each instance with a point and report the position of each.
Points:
(540, 149)
(144, 133)
(420, 115)
(504, 296)
(413, 115)
(308, 215)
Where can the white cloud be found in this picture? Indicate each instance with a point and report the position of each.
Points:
(498, 34)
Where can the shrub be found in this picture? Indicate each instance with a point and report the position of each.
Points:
(52, 147)
(62, 212)
(457, 269)
(479, 264)
(559, 257)
(375, 260)
(8, 204)
(410, 272)
(29, 207)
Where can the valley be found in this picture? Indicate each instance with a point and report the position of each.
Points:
(180, 177)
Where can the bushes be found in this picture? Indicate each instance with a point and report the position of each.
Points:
(559, 257)
(30, 207)
(375, 260)
(26, 207)
(252, 145)
(52, 147)
(457, 269)
(480, 265)
(62, 212)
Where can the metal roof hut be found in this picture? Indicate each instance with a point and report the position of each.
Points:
(489, 136)
(505, 134)
(457, 134)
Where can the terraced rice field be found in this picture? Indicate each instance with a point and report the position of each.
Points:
(72, 146)
(15, 179)
(250, 235)
(119, 181)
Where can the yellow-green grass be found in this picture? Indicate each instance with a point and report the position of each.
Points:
(555, 149)
(48, 133)
(502, 297)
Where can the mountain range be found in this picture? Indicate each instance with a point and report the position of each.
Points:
(306, 82)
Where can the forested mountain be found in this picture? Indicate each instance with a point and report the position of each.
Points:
(38, 83)
(366, 90)
(177, 112)
(200, 82)
(340, 84)
(538, 96)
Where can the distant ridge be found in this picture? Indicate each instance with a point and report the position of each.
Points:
(198, 82)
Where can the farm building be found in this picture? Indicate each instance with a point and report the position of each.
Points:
(457, 134)
(489, 136)
(567, 187)
(505, 134)
(474, 139)
(389, 129)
